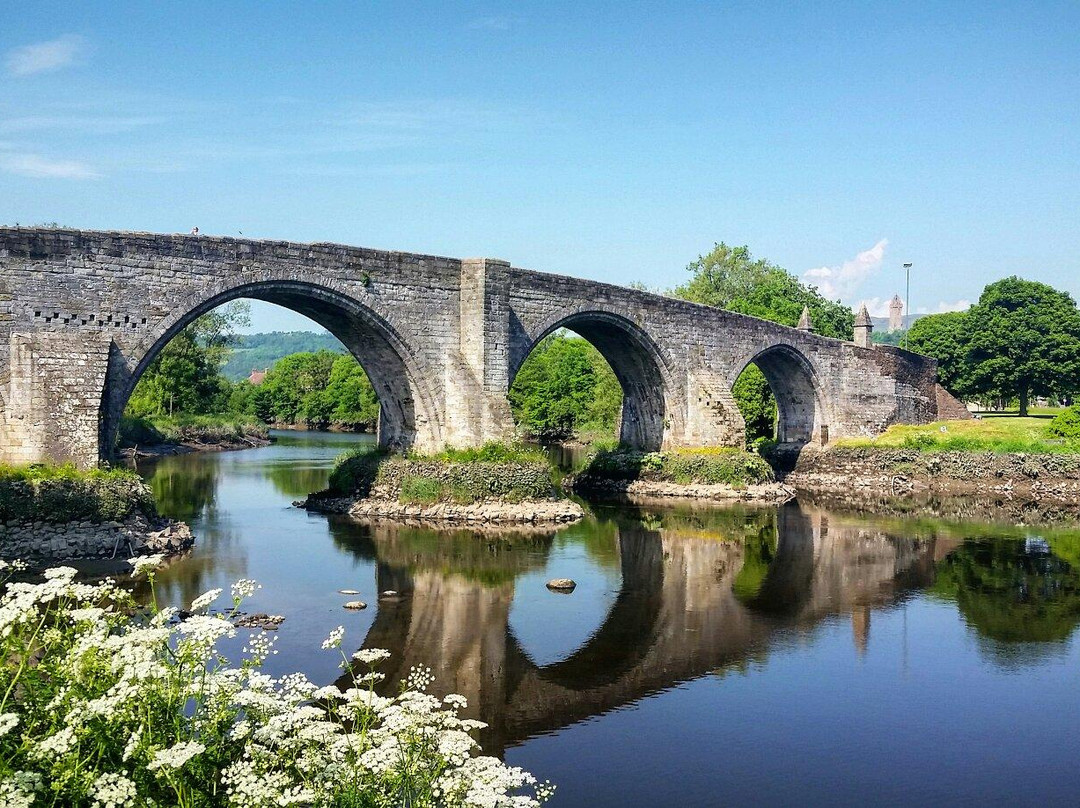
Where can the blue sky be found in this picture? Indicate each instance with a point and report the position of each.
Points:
(614, 141)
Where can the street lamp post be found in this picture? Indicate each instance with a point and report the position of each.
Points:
(907, 302)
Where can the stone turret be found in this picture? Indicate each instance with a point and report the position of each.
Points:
(804, 321)
(896, 314)
(864, 326)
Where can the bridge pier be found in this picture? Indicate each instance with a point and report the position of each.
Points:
(53, 402)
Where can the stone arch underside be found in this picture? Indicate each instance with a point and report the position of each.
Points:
(407, 413)
(649, 405)
(801, 410)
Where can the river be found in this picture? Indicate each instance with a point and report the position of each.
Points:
(709, 656)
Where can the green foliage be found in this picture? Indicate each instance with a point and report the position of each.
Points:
(683, 466)
(565, 388)
(509, 474)
(731, 278)
(185, 375)
(317, 389)
(1066, 424)
(946, 337)
(756, 403)
(261, 351)
(191, 429)
(1000, 435)
(45, 493)
(1024, 340)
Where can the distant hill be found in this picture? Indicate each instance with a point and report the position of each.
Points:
(260, 351)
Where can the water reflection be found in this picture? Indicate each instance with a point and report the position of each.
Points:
(667, 599)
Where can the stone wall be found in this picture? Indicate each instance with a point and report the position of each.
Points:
(83, 313)
(38, 542)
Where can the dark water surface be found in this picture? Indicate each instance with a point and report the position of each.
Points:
(739, 656)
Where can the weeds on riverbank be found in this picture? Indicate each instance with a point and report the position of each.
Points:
(508, 473)
(192, 429)
(998, 434)
(107, 704)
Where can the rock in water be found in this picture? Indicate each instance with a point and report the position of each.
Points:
(267, 622)
(348, 591)
(356, 605)
(565, 585)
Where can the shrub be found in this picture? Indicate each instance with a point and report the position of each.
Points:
(423, 490)
(105, 703)
(1066, 424)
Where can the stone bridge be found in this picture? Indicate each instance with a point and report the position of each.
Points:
(82, 314)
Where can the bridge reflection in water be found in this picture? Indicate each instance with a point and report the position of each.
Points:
(699, 592)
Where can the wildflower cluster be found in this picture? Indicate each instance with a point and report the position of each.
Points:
(103, 703)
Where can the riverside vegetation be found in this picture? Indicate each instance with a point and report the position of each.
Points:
(107, 703)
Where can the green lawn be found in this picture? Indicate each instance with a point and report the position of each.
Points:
(997, 432)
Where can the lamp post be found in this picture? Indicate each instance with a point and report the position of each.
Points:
(907, 302)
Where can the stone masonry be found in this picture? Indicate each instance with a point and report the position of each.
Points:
(83, 313)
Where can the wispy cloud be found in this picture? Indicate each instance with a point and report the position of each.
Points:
(840, 282)
(494, 23)
(34, 165)
(86, 124)
(45, 57)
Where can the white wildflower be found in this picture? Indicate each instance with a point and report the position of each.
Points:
(149, 563)
(175, 756)
(455, 700)
(60, 574)
(333, 640)
(244, 588)
(8, 722)
(112, 790)
(371, 656)
(205, 599)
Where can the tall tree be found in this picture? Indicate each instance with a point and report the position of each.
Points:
(731, 278)
(1025, 341)
(947, 338)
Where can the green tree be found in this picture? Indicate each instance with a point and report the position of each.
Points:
(564, 387)
(185, 376)
(731, 278)
(1024, 341)
(946, 338)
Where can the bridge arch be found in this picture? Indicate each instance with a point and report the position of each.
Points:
(802, 408)
(407, 414)
(651, 404)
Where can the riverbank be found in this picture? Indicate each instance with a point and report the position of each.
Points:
(60, 513)
(494, 484)
(856, 471)
(158, 437)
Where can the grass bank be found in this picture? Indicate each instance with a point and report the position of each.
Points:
(209, 431)
(1001, 434)
(57, 494)
(461, 476)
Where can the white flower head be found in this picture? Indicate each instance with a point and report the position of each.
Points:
(333, 640)
(112, 790)
(175, 756)
(149, 563)
(205, 599)
(371, 656)
(60, 573)
(244, 588)
(8, 722)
